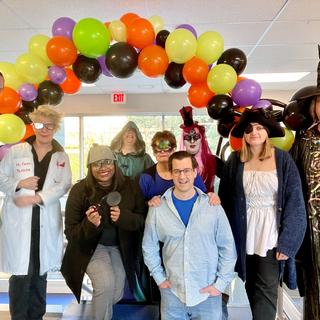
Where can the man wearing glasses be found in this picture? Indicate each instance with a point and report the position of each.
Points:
(198, 253)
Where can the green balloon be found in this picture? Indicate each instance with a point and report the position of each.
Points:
(91, 37)
(12, 128)
(285, 142)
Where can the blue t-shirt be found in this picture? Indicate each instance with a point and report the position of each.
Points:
(156, 186)
(184, 207)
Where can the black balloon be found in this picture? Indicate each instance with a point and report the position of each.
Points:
(1, 82)
(23, 114)
(234, 57)
(86, 69)
(49, 93)
(173, 76)
(122, 60)
(295, 116)
(162, 37)
(29, 106)
(220, 106)
(225, 125)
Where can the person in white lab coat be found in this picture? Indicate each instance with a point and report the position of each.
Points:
(34, 175)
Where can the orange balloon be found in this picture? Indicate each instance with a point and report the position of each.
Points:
(199, 95)
(61, 51)
(10, 100)
(153, 61)
(195, 71)
(72, 84)
(140, 33)
(239, 78)
(29, 132)
(235, 143)
(128, 18)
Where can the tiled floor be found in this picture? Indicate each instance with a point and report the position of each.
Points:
(75, 312)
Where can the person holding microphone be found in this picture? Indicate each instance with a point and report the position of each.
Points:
(103, 238)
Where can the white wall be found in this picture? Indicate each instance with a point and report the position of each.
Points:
(139, 103)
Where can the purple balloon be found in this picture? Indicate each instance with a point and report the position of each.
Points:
(188, 27)
(63, 27)
(57, 74)
(104, 68)
(247, 92)
(28, 92)
(263, 104)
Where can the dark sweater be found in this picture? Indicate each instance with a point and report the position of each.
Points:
(83, 237)
(291, 216)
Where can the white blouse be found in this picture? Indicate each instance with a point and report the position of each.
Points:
(260, 189)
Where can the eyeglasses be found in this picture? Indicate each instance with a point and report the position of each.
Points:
(186, 172)
(249, 128)
(102, 163)
(40, 125)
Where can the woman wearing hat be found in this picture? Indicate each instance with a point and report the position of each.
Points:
(103, 238)
(306, 153)
(260, 191)
(194, 141)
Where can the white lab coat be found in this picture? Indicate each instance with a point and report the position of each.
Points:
(15, 229)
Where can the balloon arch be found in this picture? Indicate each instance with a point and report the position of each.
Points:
(80, 52)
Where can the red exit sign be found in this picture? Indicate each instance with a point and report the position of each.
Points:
(118, 98)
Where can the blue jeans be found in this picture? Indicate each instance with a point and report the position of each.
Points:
(173, 309)
(107, 275)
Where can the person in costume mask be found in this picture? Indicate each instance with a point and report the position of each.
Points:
(194, 141)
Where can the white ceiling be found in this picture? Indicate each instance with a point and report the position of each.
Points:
(276, 35)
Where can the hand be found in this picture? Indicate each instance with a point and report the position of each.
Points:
(281, 256)
(165, 285)
(25, 201)
(213, 199)
(155, 201)
(114, 213)
(211, 290)
(30, 183)
(93, 216)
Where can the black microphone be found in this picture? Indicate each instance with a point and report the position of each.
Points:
(113, 198)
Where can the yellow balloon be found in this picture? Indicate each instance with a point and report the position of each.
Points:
(118, 30)
(31, 67)
(157, 23)
(221, 78)
(210, 46)
(285, 143)
(181, 45)
(38, 46)
(11, 77)
(12, 128)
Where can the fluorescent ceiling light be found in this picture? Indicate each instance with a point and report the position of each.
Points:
(276, 77)
(88, 84)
